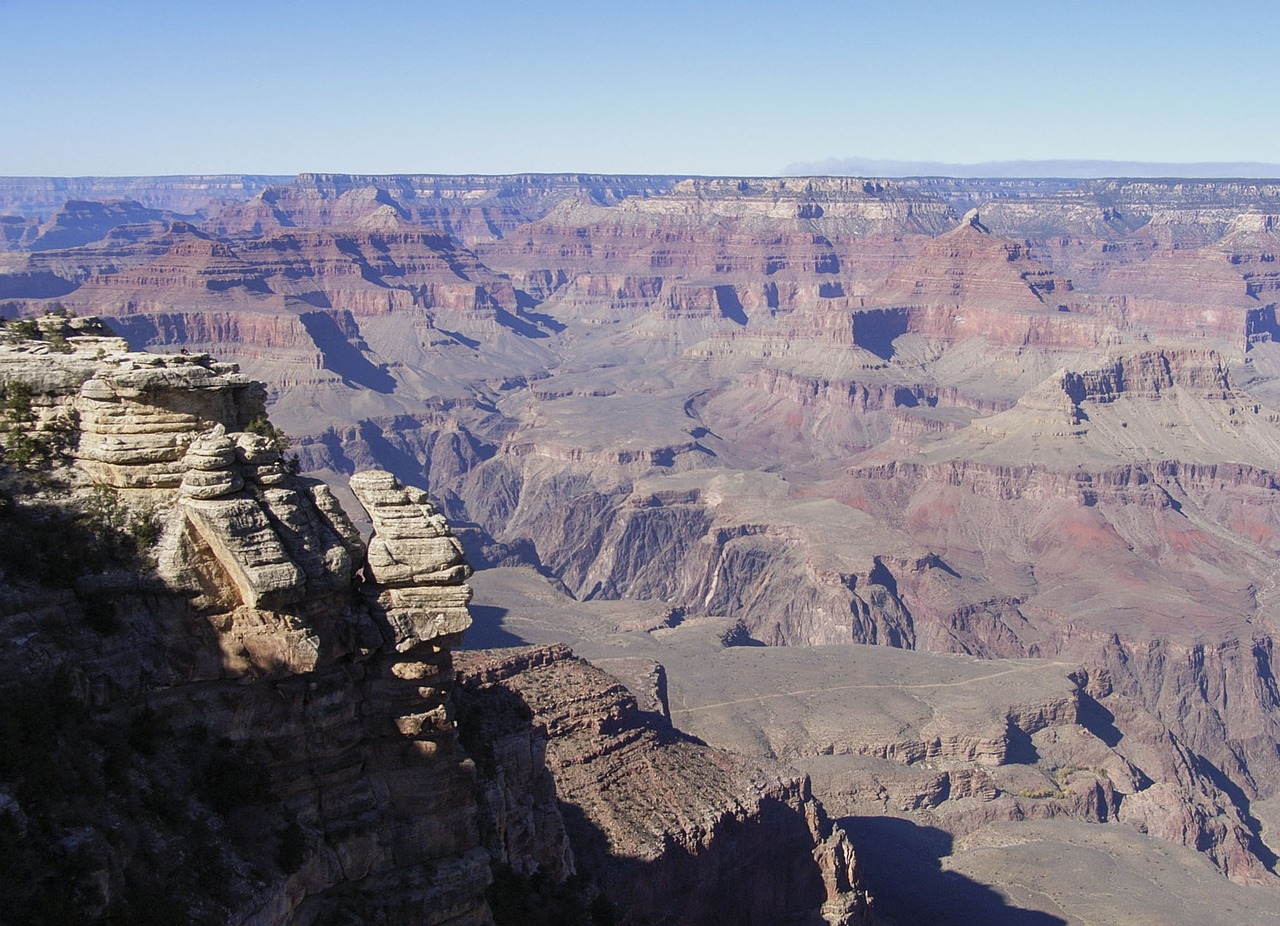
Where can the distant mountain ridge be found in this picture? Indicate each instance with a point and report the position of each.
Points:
(1075, 169)
(42, 196)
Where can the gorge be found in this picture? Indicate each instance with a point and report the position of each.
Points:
(717, 435)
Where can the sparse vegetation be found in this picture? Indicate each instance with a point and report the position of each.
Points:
(100, 826)
(49, 540)
(58, 342)
(1043, 793)
(25, 442)
(264, 428)
(49, 543)
(124, 536)
(1063, 774)
(26, 328)
(1062, 778)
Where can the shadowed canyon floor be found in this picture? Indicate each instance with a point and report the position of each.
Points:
(1022, 433)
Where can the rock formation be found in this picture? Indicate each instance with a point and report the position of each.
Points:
(672, 830)
(329, 706)
(253, 707)
(820, 410)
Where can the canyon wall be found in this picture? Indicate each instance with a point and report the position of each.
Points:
(1000, 418)
(223, 704)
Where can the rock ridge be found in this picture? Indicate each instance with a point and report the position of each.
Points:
(258, 655)
(651, 815)
(299, 681)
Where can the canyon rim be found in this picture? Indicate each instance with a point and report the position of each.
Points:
(843, 548)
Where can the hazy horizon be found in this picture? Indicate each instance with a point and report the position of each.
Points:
(870, 168)
(1066, 169)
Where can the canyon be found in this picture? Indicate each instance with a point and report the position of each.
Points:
(719, 436)
(223, 703)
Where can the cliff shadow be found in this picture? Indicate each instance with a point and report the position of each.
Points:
(519, 815)
(35, 284)
(1242, 804)
(400, 463)
(876, 330)
(755, 869)
(486, 630)
(1261, 325)
(343, 357)
(140, 331)
(462, 339)
(1020, 750)
(1098, 720)
(520, 325)
(730, 305)
(903, 865)
(525, 304)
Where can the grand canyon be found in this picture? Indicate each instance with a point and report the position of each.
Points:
(640, 549)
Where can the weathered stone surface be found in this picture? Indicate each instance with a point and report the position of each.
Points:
(826, 410)
(668, 828)
(139, 415)
(415, 567)
(324, 755)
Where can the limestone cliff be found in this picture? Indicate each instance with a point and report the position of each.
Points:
(221, 704)
(251, 718)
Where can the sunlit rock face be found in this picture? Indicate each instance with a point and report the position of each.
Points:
(1002, 418)
(294, 692)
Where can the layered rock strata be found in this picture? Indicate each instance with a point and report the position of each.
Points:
(827, 410)
(309, 718)
(293, 685)
(670, 829)
(415, 568)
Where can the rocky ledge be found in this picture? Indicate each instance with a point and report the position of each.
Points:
(251, 715)
(670, 829)
(221, 704)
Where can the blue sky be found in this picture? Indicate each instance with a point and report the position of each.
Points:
(491, 86)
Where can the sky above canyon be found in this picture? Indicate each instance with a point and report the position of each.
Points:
(491, 86)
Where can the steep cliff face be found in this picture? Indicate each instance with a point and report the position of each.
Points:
(44, 196)
(217, 691)
(471, 209)
(671, 830)
(294, 290)
(825, 410)
(229, 728)
(1086, 548)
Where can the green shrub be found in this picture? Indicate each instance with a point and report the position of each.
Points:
(44, 543)
(1042, 793)
(28, 445)
(120, 536)
(264, 428)
(26, 328)
(58, 343)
